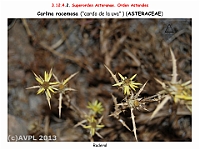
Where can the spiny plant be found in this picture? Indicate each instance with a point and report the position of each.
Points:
(62, 88)
(130, 101)
(51, 87)
(179, 92)
(91, 120)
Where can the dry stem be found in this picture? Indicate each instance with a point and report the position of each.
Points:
(133, 122)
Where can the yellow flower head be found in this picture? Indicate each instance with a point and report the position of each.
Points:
(180, 91)
(62, 86)
(45, 85)
(127, 84)
(96, 107)
(93, 125)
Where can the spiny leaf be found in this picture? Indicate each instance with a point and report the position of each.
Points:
(141, 89)
(99, 135)
(71, 76)
(174, 68)
(80, 123)
(60, 104)
(48, 99)
(160, 106)
(124, 124)
(113, 76)
(162, 83)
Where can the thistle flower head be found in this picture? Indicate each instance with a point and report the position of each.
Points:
(45, 85)
(127, 84)
(180, 91)
(62, 86)
(94, 125)
(95, 107)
